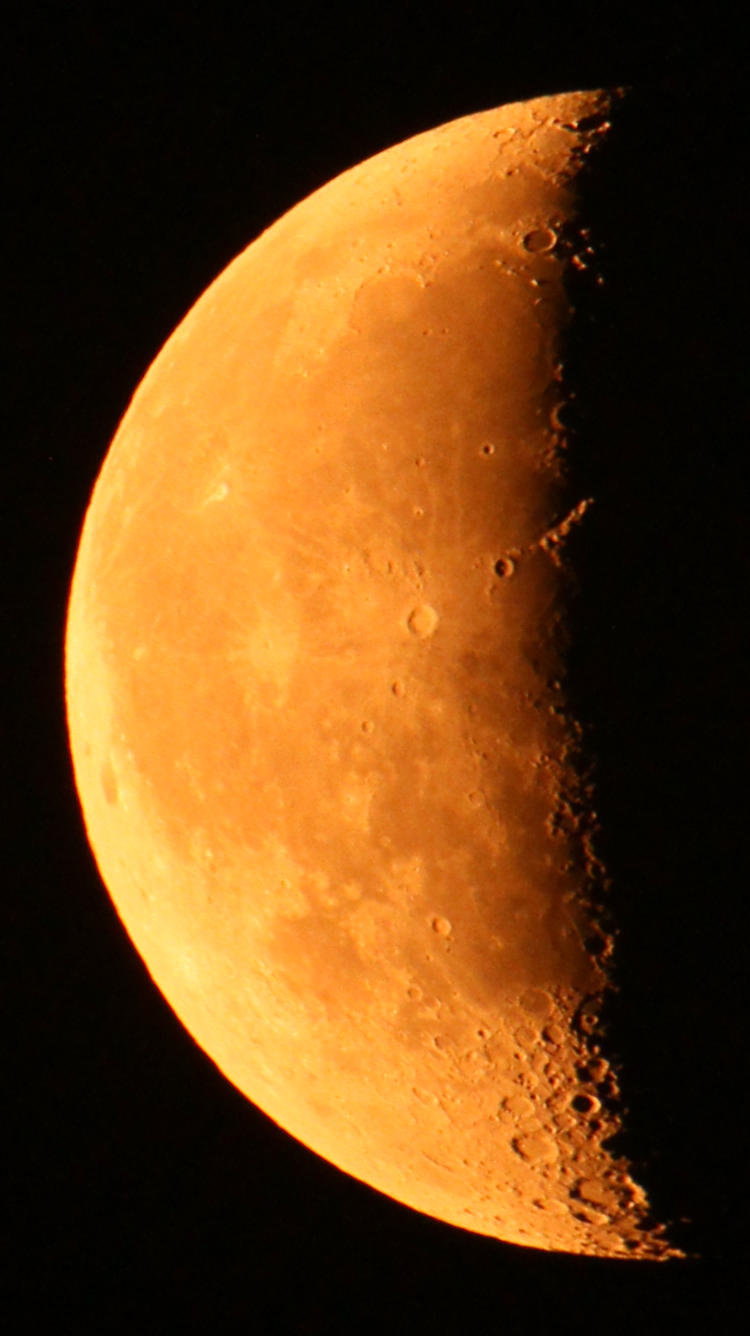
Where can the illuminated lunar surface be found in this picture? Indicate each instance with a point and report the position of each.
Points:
(314, 658)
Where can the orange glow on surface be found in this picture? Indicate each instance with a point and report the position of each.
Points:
(314, 654)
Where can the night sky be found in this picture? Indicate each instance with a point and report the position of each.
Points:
(145, 1193)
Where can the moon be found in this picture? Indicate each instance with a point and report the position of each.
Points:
(315, 662)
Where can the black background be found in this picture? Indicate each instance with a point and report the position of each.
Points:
(143, 152)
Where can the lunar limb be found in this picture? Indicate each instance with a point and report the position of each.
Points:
(315, 685)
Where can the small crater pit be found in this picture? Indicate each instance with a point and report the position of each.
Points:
(442, 926)
(536, 1148)
(540, 240)
(422, 621)
(585, 1104)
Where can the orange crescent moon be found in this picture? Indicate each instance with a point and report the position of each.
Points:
(313, 659)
